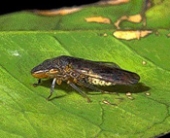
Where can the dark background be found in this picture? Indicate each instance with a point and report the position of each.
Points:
(14, 6)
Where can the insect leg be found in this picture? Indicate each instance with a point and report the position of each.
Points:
(79, 90)
(38, 83)
(52, 88)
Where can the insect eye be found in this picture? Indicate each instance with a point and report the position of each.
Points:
(53, 71)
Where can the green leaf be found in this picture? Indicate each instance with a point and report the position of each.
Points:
(24, 110)
(26, 20)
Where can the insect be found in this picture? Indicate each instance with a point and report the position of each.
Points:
(81, 72)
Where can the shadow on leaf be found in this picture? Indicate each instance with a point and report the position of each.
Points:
(137, 88)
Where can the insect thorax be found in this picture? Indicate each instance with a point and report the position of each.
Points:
(68, 73)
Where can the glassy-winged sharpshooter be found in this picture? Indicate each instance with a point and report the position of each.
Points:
(81, 72)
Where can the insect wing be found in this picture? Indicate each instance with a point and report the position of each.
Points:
(108, 64)
(110, 73)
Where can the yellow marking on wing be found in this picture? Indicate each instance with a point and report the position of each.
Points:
(100, 82)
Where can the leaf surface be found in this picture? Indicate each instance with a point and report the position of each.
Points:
(24, 110)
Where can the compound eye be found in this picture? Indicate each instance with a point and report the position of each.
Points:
(53, 71)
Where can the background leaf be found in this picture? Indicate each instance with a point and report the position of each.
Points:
(26, 20)
(24, 110)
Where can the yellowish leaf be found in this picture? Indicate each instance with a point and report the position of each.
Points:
(128, 35)
(98, 19)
